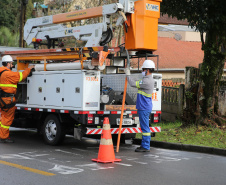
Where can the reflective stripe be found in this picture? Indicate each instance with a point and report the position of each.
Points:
(146, 134)
(3, 126)
(145, 94)
(8, 85)
(21, 76)
(137, 84)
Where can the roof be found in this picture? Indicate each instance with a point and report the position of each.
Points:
(165, 19)
(178, 54)
(175, 55)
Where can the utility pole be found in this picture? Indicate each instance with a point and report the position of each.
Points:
(22, 22)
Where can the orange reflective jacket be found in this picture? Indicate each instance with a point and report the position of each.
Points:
(9, 79)
(8, 83)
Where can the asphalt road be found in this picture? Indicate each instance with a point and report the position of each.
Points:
(30, 162)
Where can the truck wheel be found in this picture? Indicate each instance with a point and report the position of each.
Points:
(52, 130)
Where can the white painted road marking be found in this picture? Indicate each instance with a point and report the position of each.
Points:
(66, 170)
(123, 164)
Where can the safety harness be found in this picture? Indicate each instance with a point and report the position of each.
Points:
(4, 94)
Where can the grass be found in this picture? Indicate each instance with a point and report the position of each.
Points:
(192, 135)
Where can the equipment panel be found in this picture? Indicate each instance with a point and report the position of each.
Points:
(72, 90)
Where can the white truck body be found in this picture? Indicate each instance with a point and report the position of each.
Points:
(69, 90)
(76, 94)
(75, 101)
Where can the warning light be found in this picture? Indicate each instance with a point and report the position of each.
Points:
(36, 40)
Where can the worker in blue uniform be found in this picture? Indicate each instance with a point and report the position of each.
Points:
(144, 101)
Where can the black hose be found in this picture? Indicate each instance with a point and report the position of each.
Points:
(128, 59)
(108, 37)
(126, 27)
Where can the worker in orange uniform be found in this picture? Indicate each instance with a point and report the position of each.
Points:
(8, 87)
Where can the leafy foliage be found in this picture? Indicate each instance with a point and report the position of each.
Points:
(10, 13)
(29, 9)
(8, 38)
(207, 17)
(9, 16)
(202, 14)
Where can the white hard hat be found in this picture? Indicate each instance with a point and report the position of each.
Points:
(5, 59)
(148, 64)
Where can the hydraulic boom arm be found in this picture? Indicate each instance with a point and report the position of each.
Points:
(140, 18)
(48, 27)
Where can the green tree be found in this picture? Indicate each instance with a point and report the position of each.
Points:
(29, 9)
(9, 16)
(207, 16)
(8, 38)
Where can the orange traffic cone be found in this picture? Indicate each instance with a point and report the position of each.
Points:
(106, 150)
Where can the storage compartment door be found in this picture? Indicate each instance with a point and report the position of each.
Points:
(35, 90)
(72, 90)
(54, 90)
(91, 91)
(157, 93)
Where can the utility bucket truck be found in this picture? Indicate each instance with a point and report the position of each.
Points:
(68, 93)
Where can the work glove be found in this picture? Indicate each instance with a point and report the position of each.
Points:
(30, 74)
(127, 71)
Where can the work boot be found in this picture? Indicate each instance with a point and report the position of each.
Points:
(7, 140)
(141, 149)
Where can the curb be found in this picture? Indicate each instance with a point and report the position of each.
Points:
(184, 147)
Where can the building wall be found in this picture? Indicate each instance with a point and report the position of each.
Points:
(181, 75)
(181, 35)
(170, 75)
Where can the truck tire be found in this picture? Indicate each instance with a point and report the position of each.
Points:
(52, 130)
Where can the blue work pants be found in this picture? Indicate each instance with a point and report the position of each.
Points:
(144, 124)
